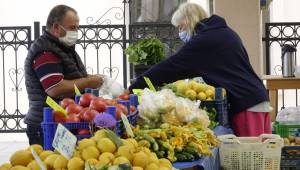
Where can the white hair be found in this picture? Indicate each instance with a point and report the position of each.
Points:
(190, 14)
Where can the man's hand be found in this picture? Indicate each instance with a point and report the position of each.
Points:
(95, 80)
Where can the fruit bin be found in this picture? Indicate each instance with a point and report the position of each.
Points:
(286, 130)
(251, 153)
(49, 127)
(290, 158)
(221, 106)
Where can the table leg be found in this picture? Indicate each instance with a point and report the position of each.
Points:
(273, 95)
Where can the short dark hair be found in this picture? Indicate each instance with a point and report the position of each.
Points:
(57, 14)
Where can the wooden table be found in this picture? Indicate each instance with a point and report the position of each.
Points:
(273, 84)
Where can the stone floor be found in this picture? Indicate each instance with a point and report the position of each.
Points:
(9, 143)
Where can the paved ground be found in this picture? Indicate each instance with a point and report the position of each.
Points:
(9, 143)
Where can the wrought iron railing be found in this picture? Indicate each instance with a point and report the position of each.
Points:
(276, 36)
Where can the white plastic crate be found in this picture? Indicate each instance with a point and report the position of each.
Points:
(250, 153)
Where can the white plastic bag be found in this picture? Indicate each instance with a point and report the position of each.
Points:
(110, 88)
(289, 115)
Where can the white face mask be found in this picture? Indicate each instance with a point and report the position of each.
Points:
(70, 38)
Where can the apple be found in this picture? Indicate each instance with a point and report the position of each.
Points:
(66, 102)
(59, 117)
(98, 105)
(85, 99)
(74, 109)
(89, 115)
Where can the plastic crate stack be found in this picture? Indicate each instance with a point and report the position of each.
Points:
(221, 105)
(290, 157)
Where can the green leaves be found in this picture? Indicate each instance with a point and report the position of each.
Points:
(148, 51)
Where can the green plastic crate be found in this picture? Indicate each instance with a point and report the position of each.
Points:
(286, 130)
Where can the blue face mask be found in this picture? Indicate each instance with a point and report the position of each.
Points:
(184, 36)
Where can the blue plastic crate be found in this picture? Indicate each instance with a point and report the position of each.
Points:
(49, 129)
(290, 158)
(206, 163)
(221, 105)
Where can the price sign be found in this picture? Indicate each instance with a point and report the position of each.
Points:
(77, 91)
(127, 125)
(38, 159)
(64, 141)
(55, 106)
(149, 83)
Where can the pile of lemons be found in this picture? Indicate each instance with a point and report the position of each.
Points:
(195, 90)
(97, 151)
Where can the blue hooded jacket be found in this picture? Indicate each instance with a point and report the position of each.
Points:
(216, 53)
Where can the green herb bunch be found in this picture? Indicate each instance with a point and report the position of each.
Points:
(147, 51)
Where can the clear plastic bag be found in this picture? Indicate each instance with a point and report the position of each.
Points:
(289, 116)
(110, 88)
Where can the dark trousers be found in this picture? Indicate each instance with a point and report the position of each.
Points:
(35, 134)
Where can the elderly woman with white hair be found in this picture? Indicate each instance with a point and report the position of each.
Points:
(215, 52)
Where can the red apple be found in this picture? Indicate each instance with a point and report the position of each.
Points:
(89, 115)
(85, 99)
(83, 132)
(59, 117)
(74, 109)
(66, 102)
(72, 118)
(98, 105)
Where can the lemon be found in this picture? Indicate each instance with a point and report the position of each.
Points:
(85, 143)
(140, 159)
(91, 162)
(181, 87)
(210, 93)
(152, 166)
(192, 84)
(107, 155)
(21, 157)
(5, 166)
(200, 87)
(106, 145)
(75, 164)
(60, 162)
(191, 94)
(43, 155)
(90, 152)
(126, 151)
(37, 148)
(121, 160)
(49, 161)
(19, 167)
(201, 96)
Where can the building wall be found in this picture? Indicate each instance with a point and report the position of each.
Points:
(244, 16)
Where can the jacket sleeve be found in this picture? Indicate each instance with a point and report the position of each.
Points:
(178, 66)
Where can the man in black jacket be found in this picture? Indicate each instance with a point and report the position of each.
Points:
(52, 67)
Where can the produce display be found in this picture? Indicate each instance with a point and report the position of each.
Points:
(91, 109)
(104, 151)
(178, 143)
(291, 141)
(193, 90)
(165, 107)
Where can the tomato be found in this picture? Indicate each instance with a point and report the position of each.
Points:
(89, 115)
(111, 102)
(74, 109)
(59, 117)
(132, 109)
(73, 118)
(85, 99)
(83, 132)
(81, 113)
(66, 102)
(124, 96)
(98, 105)
(122, 108)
